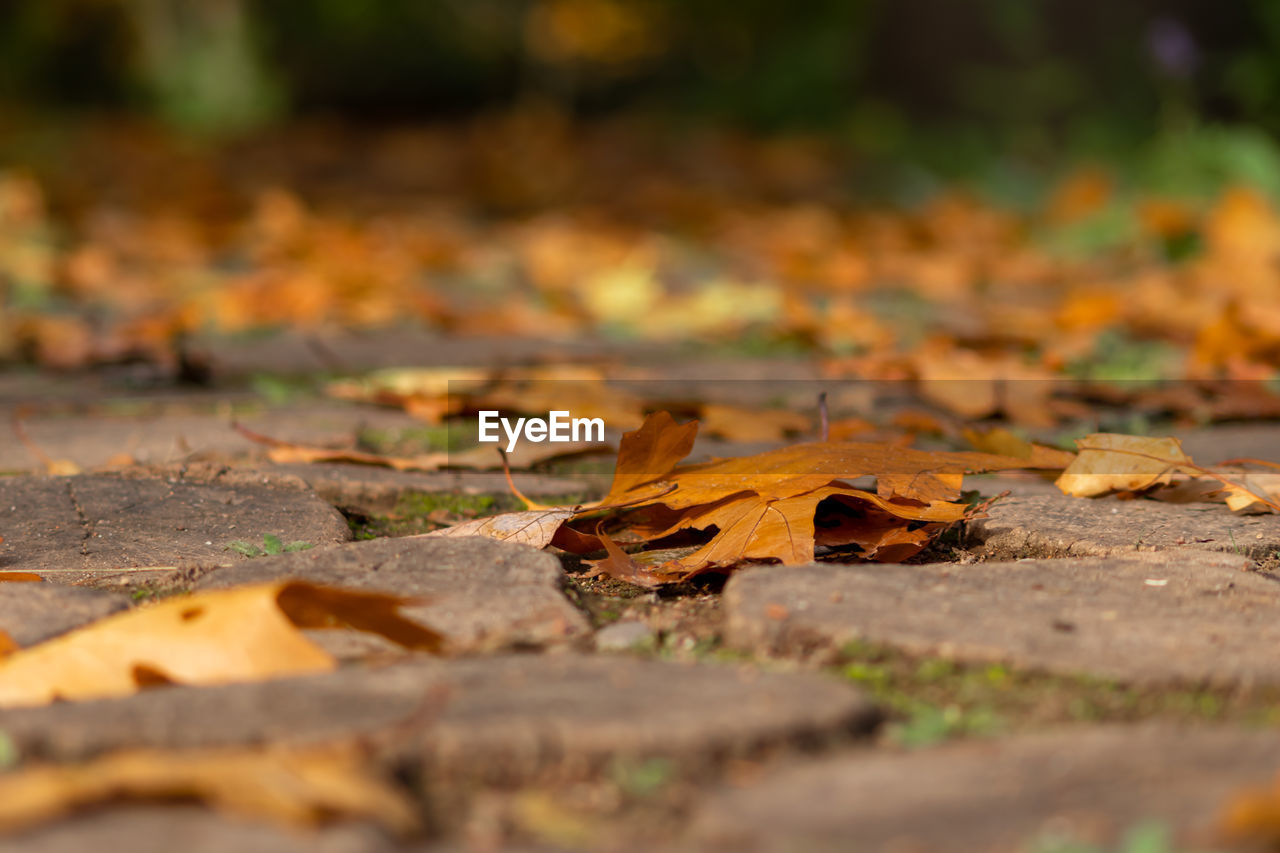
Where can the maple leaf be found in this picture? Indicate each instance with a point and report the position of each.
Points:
(763, 507)
(649, 453)
(919, 475)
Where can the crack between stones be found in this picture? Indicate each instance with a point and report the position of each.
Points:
(86, 526)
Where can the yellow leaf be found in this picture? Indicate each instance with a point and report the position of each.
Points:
(245, 634)
(1109, 462)
(293, 786)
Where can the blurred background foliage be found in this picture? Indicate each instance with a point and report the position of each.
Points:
(1027, 76)
(643, 165)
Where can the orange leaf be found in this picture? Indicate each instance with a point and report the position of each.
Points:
(649, 453)
(244, 634)
(295, 787)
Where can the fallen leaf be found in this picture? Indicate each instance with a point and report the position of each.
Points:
(248, 633)
(534, 527)
(650, 453)
(429, 394)
(286, 452)
(1109, 462)
(1242, 489)
(1253, 815)
(763, 507)
(920, 475)
(20, 577)
(294, 787)
(1003, 442)
(1126, 463)
(738, 423)
(618, 564)
(525, 455)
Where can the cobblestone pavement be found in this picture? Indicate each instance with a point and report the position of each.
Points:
(579, 714)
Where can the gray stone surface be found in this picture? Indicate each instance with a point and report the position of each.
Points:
(1184, 616)
(73, 528)
(1212, 445)
(483, 594)
(347, 351)
(371, 488)
(33, 612)
(190, 829)
(1060, 526)
(624, 636)
(502, 719)
(158, 433)
(1017, 483)
(995, 796)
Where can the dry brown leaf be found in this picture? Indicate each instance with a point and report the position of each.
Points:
(619, 564)
(976, 386)
(430, 394)
(525, 455)
(295, 787)
(649, 453)
(921, 475)
(1242, 489)
(586, 399)
(738, 423)
(20, 577)
(763, 507)
(1003, 442)
(1126, 463)
(248, 633)
(534, 527)
(1108, 462)
(286, 452)
(1253, 815)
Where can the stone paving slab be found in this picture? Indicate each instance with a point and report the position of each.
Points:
(1176, 616)
(346, 351)
(483, 594)
(73, 528)
(31, 613)
(1211, 445)
(1060, 526)
(176, 430)
(501, 720)
(995, 795)
(191, 829)
(372, 488)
